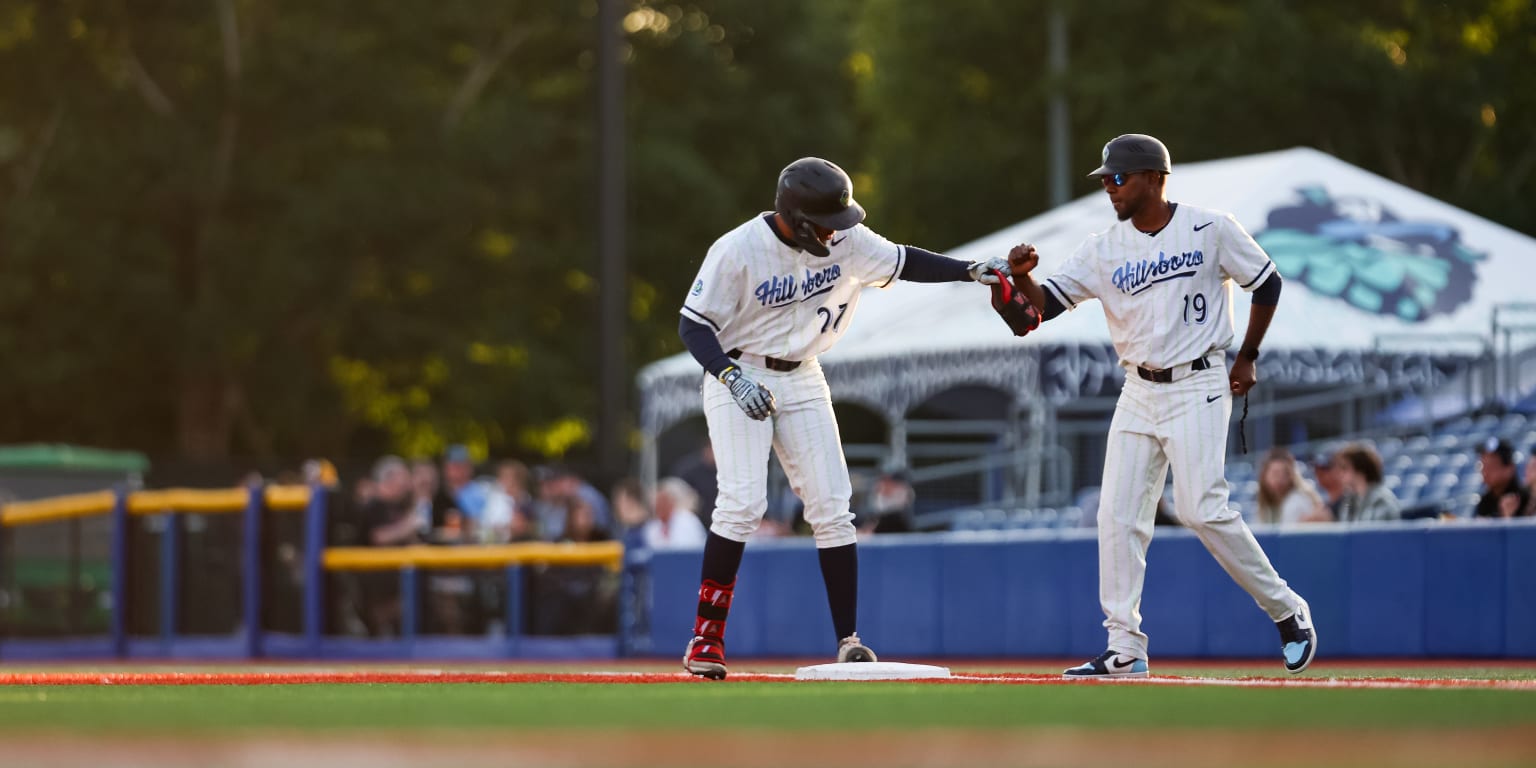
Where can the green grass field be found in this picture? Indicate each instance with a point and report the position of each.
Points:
(751, 723)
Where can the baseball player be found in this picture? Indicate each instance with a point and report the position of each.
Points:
(1163, 273)
(772, 294)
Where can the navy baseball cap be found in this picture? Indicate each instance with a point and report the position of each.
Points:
(1134, 152)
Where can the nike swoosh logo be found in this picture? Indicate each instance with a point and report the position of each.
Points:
(1116, 665)
(1213, 398)
(1203, 226)
(839, 240)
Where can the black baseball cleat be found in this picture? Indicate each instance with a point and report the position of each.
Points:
(705, 657)
(1298, 639)
(1107, 665)
(853, 649)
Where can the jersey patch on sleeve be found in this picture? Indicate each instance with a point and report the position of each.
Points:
(698, 288)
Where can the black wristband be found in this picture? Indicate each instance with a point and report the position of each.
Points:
(1249, 353)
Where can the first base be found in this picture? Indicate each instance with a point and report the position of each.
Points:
(871, 670)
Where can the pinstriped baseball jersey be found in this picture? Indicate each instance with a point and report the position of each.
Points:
(1167, 297)
(764, 297)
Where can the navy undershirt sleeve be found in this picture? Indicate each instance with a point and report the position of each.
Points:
(929, 267)
(1268, 293)
(1053, 307)
(703, 345)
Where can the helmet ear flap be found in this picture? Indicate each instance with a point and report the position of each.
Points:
(805, 235)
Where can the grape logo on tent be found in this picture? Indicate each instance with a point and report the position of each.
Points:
(1356, 250)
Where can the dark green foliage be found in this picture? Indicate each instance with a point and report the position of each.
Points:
(274, 229)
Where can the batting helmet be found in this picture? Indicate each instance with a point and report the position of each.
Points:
(1134, 152)
(814, 191)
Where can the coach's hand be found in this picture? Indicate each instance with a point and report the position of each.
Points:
(1241, 376)
(753, 397)
(982, 271)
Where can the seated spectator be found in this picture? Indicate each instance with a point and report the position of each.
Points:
(508, 513)
(1330, 483)
(1365, 499)
(1530, 482)
(629, 509)
(674, 523)
(445, 523)
(557, 487)
(460, 490)
(574, 599)
(888, 506)
(698, 470)
(1285, 497)
(388, 519)
(1503, 494)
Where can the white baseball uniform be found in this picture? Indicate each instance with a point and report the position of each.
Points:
(765, 299)
(1168, 301)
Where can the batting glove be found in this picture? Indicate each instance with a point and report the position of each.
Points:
(982, 271)
(753, 397)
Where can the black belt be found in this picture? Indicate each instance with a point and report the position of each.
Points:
(1165, 375)
(771, 363)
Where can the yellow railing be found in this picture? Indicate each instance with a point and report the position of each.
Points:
(279, 497)
(606, 553)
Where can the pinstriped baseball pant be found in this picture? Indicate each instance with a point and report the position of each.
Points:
(1182, 424)
(803, 434)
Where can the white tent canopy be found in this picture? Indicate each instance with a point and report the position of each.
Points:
(1363, 217)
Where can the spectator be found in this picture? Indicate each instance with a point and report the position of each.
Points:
(1530, 482)
(1503, 495)
(388, 519)
(629, 507)
(698, 470)
(508, 514)
(1365, 499)
(1331, 482)
(888, 507)
(557, 487)
(1285, 497)
(674, 524)
(581, 524)
(444, 522)
(460, 488)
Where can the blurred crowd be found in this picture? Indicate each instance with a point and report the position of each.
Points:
(1351, 487)
(455, 501)
(450, 503)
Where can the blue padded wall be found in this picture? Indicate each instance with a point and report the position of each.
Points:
(1390, 590)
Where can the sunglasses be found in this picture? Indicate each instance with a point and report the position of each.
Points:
(1119, 179)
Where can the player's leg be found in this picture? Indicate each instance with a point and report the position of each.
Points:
(1195, 430)
(810, 449)
(741, 448)
(1134, 473)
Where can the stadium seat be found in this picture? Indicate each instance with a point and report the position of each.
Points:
(1071, 517)
(1459, 426)
(1416, 444)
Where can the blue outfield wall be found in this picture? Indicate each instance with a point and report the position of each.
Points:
(1409, 589)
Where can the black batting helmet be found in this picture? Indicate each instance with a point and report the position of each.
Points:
(814, 191)
(1134, 152)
